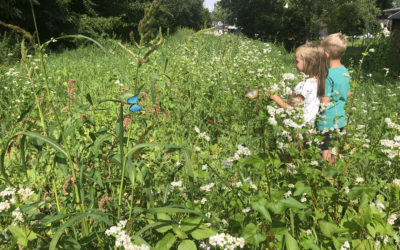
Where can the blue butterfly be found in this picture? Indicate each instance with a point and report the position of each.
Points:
(134, 107)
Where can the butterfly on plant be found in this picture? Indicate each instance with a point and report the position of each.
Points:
(134, 107)
(251, 94)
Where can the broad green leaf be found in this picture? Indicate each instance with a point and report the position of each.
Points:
(276, 207)
(188, 224)
(23, 235)
(261, 207)
(293, 203)
(178, 232)
(187, 245)
(202, 233)
(166, 242)
(301, 188)
(163, 218)
(251, 234)
(290, 242)
(328, 228)
(309, 244)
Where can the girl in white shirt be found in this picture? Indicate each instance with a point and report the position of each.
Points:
(311, 60)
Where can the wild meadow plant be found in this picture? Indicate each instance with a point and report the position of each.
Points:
(201, 166)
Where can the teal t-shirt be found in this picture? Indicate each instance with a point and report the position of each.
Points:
(336, 88)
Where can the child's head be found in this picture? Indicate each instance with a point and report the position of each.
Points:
(335, 45)
(312, 61)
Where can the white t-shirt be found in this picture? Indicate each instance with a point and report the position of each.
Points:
(308, 89)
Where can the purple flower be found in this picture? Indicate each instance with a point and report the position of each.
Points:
(227, 163)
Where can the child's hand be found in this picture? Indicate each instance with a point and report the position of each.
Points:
(267, 92)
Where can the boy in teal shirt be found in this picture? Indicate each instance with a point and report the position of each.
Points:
(337, 89)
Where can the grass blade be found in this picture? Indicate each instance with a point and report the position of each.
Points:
(71, 222)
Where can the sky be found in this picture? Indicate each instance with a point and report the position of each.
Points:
(209, 4)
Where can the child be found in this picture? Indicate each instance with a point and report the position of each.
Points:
(311, 60)
(337, 89)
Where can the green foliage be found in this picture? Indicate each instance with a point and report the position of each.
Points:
(199, 160)
(300, 21)
(100, 18)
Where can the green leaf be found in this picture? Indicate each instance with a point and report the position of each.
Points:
(163, 218)
(187, 245)
(276, 207)
(309, 244)
(251, 234)
(47, 140)
(290, 242)
(188, 224)
(178, 232)
(131, 171)
(166, 242)
(301, 188)
(261, 207)
(293, 203)
(23, 236)
(71, 222)
(202, 233)
(328, 228)
(99, 141)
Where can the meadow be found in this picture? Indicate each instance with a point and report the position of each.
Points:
(201, 166)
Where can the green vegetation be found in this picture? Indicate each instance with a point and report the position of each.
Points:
(79, 170)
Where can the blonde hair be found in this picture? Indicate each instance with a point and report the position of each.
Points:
(335, 45)
(315, 63)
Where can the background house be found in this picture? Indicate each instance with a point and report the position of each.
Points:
(221, 28)
(395, 28)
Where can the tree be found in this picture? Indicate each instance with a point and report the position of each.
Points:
(293, 22)
(183, 13)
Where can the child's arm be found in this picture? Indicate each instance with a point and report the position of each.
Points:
(293, 100)
(279, 101)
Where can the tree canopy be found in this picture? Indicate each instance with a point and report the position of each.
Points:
(99, 17)
(292, 22)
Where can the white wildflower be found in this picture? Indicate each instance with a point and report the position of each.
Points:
(392, 219)
(287, 194)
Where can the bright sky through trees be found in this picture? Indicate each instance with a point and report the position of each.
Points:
(209, 4)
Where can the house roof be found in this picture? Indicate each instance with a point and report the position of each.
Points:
(391, 11)
(395, 16)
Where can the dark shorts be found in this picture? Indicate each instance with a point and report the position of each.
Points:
(329, 137)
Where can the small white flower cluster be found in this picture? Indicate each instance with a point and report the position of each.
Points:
(392, 124)
(288, 76)
(176, 184)
(379, 205)
(25, 192)
(226, 241)
(207, 187)
(359, 180)
(287, 194)
(290, 168)
(18, 217)
(8, 192)
(393, 147)
(346, 246)
(241, 151)
(12, 72)
(303, 198)
(246, 210)
(396, 182)
(9, 196)
(122, 239)
(201, 134)
(392, 219)
(4, 206)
